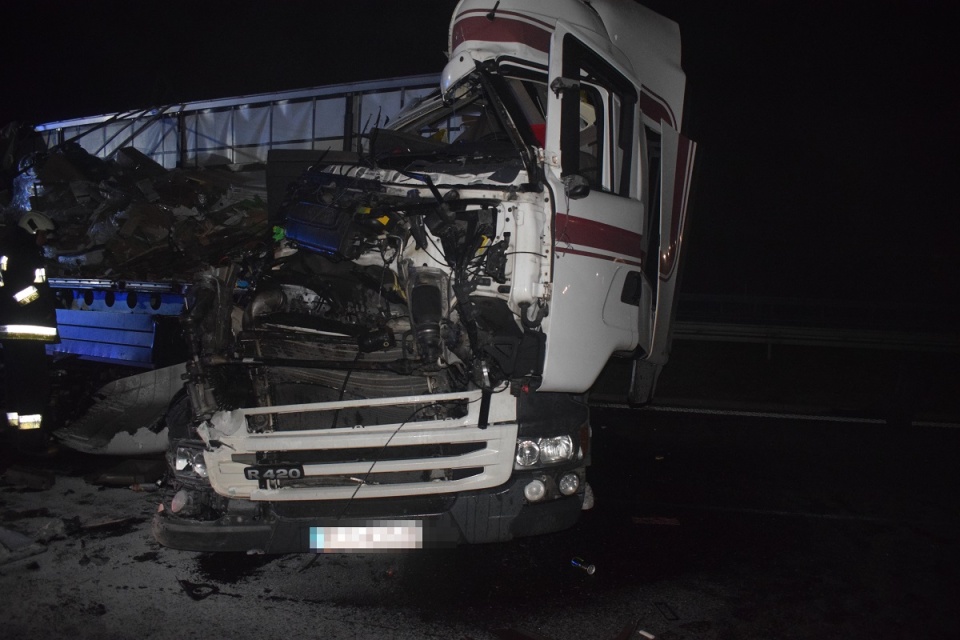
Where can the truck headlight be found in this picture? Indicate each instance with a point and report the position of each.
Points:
(543, 451)
(190, 460)
(556, 449)
(528, 452)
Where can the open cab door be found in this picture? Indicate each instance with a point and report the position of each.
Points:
(668, 207)
(619, 173)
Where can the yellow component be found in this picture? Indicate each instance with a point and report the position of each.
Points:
(397, 287)
(383, 220)
(483, 246)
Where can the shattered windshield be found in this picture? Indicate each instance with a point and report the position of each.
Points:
(471, 127)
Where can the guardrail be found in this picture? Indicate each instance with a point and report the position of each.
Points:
(819, 337)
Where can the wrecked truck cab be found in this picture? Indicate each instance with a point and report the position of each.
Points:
(408, 367)
(383, 366)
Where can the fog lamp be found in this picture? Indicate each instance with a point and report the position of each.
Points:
(535, 491)
(569, 484)
(180, 500)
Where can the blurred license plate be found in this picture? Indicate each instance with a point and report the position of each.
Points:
(378, 534)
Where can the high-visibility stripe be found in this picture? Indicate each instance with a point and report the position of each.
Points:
(26, 296)
(24, 421)
(27, 332)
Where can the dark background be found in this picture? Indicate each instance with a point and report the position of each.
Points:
(827, 166)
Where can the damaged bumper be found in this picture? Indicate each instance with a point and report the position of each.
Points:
(414, 484)
(469, 517)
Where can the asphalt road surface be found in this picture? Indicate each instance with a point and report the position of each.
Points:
(705, 526)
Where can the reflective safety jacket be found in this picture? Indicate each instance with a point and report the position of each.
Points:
(27, 309)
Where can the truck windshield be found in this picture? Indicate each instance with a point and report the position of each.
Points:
(469, 127)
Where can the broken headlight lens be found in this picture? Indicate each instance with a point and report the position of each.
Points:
(189, 460)
(543, 451)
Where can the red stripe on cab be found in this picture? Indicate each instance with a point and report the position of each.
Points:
(597, 235)
(502, 29)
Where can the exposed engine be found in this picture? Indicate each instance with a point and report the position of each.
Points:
(372, 291)
(414, 345)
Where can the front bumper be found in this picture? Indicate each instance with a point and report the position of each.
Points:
(470, 517)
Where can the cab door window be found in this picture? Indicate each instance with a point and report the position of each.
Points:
(598, 120)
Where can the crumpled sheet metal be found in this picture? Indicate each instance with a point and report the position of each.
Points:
(130, 218)
(128, 417)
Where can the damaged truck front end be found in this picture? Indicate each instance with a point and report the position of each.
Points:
(407, 365)
(382, 365)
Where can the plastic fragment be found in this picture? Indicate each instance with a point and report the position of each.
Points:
(580, 563)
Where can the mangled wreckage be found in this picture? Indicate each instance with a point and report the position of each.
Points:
(127, 235)
(407, 367)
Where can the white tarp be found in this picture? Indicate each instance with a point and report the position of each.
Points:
(243, 130)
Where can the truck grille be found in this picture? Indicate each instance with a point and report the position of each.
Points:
(411, 458)
(347, 418)
(369, 454)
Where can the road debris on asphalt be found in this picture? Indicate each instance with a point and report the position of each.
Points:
(28, 478)
(16, 546)
(580, 563)
(134, 472)
(630, 631)
(198, 591)
(656, 520)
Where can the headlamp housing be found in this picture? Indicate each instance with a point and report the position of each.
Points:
(540, 452)
(188, 461)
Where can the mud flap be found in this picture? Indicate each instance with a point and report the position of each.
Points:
(643, 381)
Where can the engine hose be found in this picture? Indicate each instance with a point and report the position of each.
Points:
(524, 318)
(265, 301)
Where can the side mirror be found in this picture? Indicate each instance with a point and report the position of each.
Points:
(576, 186)
(561, 84)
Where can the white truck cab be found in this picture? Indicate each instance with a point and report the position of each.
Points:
(408, 366)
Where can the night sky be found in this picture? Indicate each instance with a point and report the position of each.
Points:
(826, 128)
